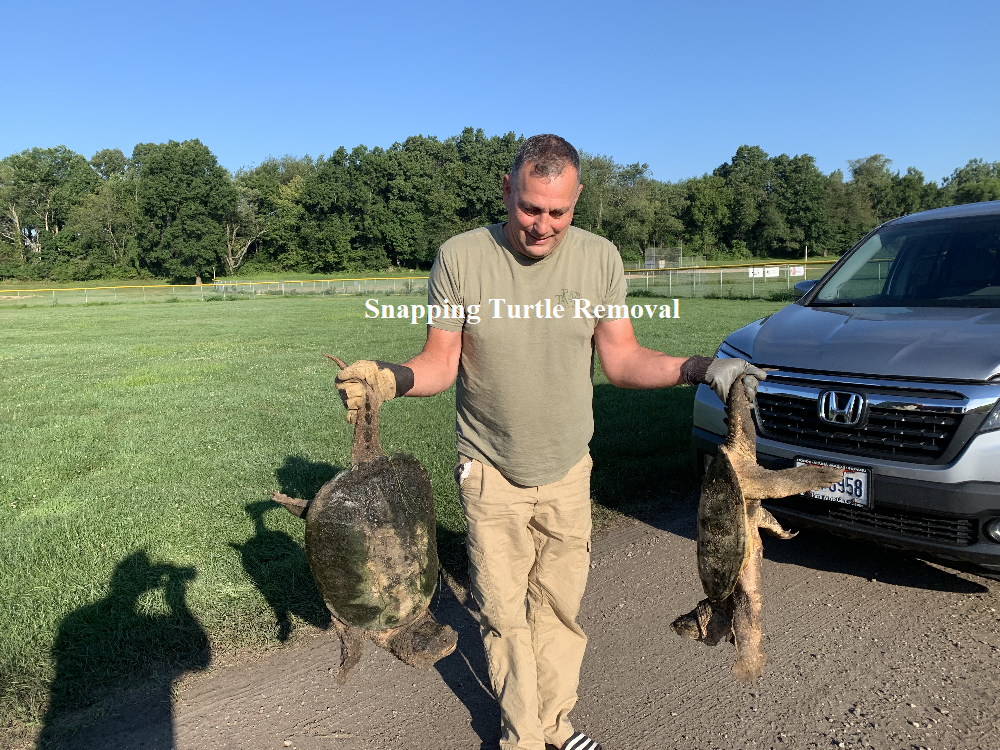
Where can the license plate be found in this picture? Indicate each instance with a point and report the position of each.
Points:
(853, 489)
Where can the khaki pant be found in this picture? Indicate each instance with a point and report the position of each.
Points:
(529, 555)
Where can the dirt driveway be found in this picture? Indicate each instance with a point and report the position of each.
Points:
(868, 648)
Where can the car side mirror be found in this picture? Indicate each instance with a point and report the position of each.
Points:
(804, 286)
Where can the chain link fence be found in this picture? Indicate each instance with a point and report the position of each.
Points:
(216, 291)
(767, 281)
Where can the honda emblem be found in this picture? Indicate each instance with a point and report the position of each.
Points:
(841, 407)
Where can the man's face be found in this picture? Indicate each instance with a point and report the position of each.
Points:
(539, 210)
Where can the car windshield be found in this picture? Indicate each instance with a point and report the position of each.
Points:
(942, 263)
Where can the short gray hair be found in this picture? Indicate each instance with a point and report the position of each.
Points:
(549, 154)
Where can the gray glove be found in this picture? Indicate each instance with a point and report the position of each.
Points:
(720, 374)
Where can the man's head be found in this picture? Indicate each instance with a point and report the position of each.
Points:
(540, 194)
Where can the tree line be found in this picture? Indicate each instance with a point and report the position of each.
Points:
(171, 211)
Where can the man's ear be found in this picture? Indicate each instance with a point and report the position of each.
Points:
(508, 192)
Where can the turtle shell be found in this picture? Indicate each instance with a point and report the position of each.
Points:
(723, 529)
(371, 543)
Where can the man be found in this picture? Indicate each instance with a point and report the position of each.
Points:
(525, 420)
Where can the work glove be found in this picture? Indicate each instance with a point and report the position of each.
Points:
(386, 379)
(720, 374)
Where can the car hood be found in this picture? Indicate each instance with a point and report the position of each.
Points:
(937, 343)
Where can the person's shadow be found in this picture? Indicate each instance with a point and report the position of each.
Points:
(279, 568)
(123, 636)
(465, 671)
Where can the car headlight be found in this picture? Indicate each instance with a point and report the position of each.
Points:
(992, 422)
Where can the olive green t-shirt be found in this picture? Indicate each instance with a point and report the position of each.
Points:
(525, 379)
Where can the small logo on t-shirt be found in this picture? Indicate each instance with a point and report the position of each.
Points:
(567, 297)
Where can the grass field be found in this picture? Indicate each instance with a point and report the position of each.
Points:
(140, 443)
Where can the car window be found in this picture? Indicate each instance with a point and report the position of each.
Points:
(944, 263)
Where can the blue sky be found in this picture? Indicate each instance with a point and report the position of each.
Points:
(677, 85)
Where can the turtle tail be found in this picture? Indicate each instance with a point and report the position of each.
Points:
(352, 648)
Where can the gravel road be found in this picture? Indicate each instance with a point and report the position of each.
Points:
(867, 647)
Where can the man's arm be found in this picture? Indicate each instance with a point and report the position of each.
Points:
(629, 365)
(436, 367)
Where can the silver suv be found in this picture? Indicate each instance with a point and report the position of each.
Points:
(889, 368)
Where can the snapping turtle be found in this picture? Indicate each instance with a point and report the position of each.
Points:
(372, 548)
(729, 546)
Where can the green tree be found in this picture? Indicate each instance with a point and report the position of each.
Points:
(974, 182)
(599, 177)
(330, 210)
(748, 180)
(799, 199)
(974, 192)
(911, 193)
(976, 170)
(184, 197)
(38, 188)
(707, 212)
(669, 200)
(849, 211)
(278, 185)
(244, 224)
(103, 226)
(872, 181)
(482, 164)
(110, 162)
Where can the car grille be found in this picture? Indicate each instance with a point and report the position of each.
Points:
(960, 532)
(901, 434)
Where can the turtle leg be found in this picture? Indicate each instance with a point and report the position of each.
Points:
(292, 504)
(422, 643)
(352, 648)
(758, 483)
(707, 622)
(764, 520)
(746, 603)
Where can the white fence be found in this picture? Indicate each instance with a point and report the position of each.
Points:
(769, 281)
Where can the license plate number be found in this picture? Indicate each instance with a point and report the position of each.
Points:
(853, 489)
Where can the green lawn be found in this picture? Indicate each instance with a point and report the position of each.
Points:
(140, 444)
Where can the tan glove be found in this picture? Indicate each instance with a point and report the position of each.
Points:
(350, 385)
(386, 379)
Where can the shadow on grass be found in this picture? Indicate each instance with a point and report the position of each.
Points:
(275, 562)
(640, 448)
(300, 477)
(278, 566)
(119, 637)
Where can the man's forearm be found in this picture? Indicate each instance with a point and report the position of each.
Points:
(432, 374)
(643, 369)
